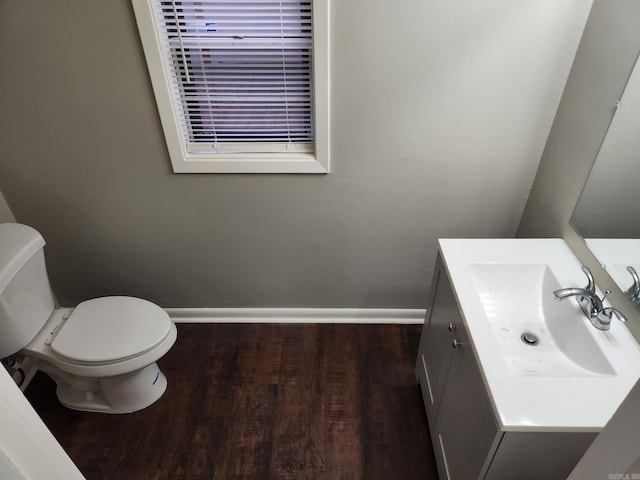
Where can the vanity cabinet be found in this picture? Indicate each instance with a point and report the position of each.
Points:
(465, 428)
(467, 439)
(436, 352)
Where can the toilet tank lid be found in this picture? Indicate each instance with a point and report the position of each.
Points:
(18, 243)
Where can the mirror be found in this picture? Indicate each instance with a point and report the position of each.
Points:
(607, 214)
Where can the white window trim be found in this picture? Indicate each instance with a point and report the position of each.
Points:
(186, 162)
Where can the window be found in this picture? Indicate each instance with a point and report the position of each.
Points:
(241, 85)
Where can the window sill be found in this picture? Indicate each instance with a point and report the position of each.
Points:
(249, 163)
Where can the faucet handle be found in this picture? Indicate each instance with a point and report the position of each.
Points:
(608, 311)
(591, 286)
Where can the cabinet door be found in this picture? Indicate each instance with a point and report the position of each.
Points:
(435, 351)
(466, 434)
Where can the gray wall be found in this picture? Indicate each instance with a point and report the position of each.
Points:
(603, 64)
(5, 212)
(438, 124)
(616, 449)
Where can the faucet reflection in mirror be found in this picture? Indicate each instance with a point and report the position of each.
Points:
(590, 303)
(633, 293)
(607, 214)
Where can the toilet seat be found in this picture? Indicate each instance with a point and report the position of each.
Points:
(109, 330)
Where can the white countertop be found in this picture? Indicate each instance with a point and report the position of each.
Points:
(539, 402)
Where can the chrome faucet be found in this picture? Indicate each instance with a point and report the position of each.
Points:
(591, 304)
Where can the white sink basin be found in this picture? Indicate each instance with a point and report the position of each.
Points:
(575, 377)
(518, 300)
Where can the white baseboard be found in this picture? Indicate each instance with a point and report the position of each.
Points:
(296, 315)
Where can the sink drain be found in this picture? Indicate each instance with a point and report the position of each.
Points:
(529, 338)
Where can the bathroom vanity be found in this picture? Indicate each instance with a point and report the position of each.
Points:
(501, 406)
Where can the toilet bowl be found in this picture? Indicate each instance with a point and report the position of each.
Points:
(101, 354)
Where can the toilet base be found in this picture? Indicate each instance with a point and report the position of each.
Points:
(125, 393)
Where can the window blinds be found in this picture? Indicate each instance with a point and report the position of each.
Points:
(240, 73)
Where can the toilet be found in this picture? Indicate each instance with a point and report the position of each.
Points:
(102, 354)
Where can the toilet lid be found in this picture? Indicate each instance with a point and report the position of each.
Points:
(108, 329)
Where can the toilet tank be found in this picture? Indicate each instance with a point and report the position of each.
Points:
(26, 299)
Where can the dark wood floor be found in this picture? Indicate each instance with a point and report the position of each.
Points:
(263, 401)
